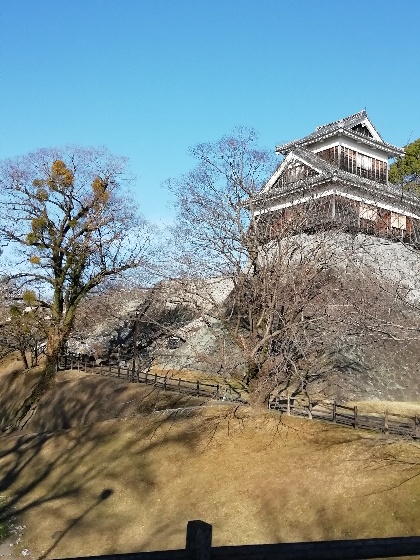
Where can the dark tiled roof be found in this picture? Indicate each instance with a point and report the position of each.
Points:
(346, 125)
(347, 122)
(331, 172)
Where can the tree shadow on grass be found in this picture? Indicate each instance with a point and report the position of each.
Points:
(104, 495)
(65, 477)
(92, 398)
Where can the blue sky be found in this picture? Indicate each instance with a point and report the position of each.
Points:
(150, 78)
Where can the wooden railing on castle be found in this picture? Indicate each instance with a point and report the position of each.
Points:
(328, 411)
(199, 540)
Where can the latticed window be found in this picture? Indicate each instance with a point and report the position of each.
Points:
(356, 162)
(368, 212)
(398, 221)
(349, 160)
(330, 154)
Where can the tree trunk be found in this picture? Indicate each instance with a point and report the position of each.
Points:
(251, 372)
(55, 341)
(34, 355)
(22, 351)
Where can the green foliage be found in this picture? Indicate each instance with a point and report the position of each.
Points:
(407, 169)
(29, 297)
(41, 194)
(99, 188)
(6, 522)
(61, 176)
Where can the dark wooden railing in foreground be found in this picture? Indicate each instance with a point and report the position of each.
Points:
(199, 537)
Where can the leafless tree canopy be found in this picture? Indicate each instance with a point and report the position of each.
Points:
(213, 218)
(297, 297)
(70, 224)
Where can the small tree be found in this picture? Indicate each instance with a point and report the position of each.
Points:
(25, 328)
(406, 169)
(72, 225)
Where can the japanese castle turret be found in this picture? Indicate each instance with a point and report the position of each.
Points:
(338, 176)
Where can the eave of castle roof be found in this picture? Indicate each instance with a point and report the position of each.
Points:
(343, 127)
(330, 172)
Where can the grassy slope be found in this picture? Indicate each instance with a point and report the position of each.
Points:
(14, 387)
(79, 398)
(133, 483)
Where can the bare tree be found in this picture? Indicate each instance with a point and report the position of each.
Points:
(72, 224)
(294, 299)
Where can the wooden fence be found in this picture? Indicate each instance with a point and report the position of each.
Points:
(331, 411)
(133, 375)
(328, 411)
(199, 540)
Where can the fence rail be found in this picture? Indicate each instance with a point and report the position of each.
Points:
(386, 423)
(328, 411)
(199, 540)
(135, 375)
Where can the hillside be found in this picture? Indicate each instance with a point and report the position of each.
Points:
(79, 398)
(379, 284)
(132, 483)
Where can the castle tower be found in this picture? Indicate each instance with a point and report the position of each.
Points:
(338, 176)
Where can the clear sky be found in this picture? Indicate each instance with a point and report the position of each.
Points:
(150, 78)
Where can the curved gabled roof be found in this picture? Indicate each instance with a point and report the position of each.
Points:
(330, 172)
(351, 127)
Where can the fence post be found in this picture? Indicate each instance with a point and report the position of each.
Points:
(71, 363)
(386, 427)
(155, 379)
(85, 365)
(217, 391)
(198, 541)
(100, 368)
(355, 417)
(179, 385)
(164, 382)
(198, 388)
(334, 416)
(109, 369)
(288, 403)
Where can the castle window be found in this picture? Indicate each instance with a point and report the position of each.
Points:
(398, 221)
(368, 212)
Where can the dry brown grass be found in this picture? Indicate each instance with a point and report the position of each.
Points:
(15, 385)
(409, 409)
(257, 477)
(83, 398)
(132, 483)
